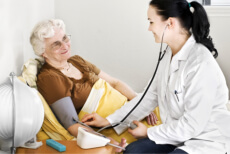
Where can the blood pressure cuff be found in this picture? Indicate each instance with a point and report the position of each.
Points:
(64, 111)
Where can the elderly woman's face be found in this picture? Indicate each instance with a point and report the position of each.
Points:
(57, 48)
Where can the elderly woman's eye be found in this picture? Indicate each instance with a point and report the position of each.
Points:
(66, 38)
(56, 45)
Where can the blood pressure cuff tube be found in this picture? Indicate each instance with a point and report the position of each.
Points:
(65, 111)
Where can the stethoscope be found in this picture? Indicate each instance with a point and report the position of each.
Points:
(160, 57)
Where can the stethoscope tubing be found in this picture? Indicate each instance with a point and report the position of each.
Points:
(160, 57)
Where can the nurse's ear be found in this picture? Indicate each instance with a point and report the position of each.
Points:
(171, 22)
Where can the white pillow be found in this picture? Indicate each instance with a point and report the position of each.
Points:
(30, 70)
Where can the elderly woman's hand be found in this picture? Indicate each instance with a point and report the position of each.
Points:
(152, 119)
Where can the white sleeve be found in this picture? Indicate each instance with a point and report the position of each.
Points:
(148, 104)
(200, 96)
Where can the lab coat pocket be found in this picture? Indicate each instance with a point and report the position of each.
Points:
(178, 104)
(178, 95)
(176, 89)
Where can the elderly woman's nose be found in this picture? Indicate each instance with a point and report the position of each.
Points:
(65, 45)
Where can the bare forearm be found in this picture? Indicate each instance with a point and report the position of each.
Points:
(118, 85)
(73, 130)
(125, 90)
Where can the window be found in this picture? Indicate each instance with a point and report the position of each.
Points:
(220, 2)
(213, 2)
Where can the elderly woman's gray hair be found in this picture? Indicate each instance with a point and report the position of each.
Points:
(44, 29)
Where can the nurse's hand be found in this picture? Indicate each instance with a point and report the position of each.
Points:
(140, 131)
(95, 120)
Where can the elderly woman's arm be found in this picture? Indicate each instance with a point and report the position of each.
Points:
(118, 85)
(126, 91)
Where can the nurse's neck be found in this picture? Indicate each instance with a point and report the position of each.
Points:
(177, 43)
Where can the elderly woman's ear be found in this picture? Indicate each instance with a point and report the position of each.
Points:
(43, 55)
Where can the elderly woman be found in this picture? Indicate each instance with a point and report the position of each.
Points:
(64, 81)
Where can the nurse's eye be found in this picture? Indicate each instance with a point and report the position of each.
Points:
(150, 22)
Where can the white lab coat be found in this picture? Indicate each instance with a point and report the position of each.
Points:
(194, 119)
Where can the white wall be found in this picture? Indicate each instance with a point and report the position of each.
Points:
(113, 35)
(219, 17)
(18, 17)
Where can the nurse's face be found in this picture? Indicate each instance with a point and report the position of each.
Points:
(57, 48)
(156, 25)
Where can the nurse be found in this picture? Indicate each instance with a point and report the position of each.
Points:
(189, 87)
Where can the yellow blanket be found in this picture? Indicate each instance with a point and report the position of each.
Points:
(105, 100)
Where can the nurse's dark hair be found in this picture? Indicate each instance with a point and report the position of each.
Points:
(196, 20)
